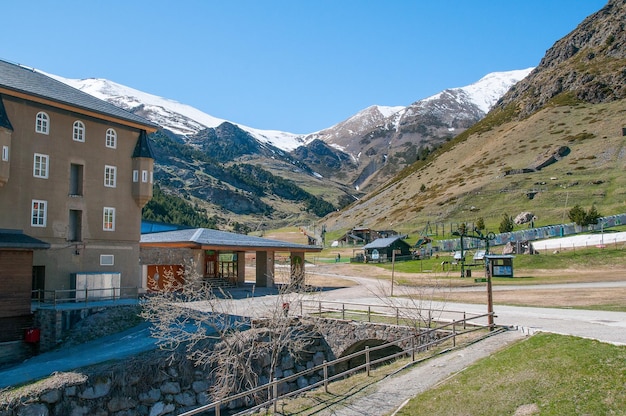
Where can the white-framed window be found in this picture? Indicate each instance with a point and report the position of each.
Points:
(151, 177)
(108, 219)
(42, 123)
(5, 153)
(107, 260)
(111, 139)
(78, 131)
(40, 166)
(144, 176)
(39, 213)
(110, 174)
(135, 175)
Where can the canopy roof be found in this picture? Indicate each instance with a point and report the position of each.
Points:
(204, 238)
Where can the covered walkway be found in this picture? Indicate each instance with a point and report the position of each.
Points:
(216, 255)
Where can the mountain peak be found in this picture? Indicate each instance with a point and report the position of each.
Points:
(485, 92)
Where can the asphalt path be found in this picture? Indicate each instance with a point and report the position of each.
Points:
(604, 326)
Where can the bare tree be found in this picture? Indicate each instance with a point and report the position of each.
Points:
(241, 342)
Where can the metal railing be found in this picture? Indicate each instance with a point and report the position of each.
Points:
(448, 331)
(65, 296)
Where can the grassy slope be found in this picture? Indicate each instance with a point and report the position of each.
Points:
(546, 374)
(471, 174)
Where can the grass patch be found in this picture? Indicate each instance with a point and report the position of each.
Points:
(589, 257)
(547, 374)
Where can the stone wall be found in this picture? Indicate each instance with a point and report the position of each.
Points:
(149, 385)
(154, 384)
(54, 324)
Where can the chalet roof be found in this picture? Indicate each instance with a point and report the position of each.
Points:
(19, 79)
(384, 242)
(207, 238)
(17, 239)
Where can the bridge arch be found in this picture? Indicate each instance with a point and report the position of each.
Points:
(345, 337)
(360, 346)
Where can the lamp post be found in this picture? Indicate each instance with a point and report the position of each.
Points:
(461, 233)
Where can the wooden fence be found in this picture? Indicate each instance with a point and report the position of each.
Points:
(450, 331)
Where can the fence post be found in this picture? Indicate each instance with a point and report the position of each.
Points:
(367, 360)
(453, 333)
(218, 406)
(413, 349)
(320, 307)
(325, 376)
(343, 311)
(464, 321)
(275, 398)
(397, 316)
(369, 314)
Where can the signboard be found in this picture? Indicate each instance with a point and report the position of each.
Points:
(228, 257)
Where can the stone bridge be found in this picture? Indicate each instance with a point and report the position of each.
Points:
(345, 337)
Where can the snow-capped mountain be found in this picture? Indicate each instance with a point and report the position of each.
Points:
(393, 137)
(485, 92)
(181, 119)
(364, 150)
(469, 103)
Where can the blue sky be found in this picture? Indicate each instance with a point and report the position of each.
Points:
(290, 65)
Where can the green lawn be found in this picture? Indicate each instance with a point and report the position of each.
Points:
(546, 374)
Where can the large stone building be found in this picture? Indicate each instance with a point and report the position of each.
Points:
(75, 172)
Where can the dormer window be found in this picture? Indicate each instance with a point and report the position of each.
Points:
(111, 139)
(79, 131)
(42, 123)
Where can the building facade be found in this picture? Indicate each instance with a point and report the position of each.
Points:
(75, 172)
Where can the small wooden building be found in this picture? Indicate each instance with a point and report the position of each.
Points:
(382, 249)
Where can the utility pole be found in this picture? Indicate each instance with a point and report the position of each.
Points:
(393, 266)
(486, 238)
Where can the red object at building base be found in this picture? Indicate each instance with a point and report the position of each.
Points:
(32, 335)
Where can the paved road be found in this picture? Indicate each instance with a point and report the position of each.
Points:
(601, 325)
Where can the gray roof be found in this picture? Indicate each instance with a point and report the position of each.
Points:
(17, 239)
(383, 242)
(208, 237)
(26, 80)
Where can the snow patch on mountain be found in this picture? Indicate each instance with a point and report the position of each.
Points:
(485, 92)
(179, 118)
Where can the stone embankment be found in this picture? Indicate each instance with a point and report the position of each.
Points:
(149, 385)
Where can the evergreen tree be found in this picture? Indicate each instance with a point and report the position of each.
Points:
(507, 224)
